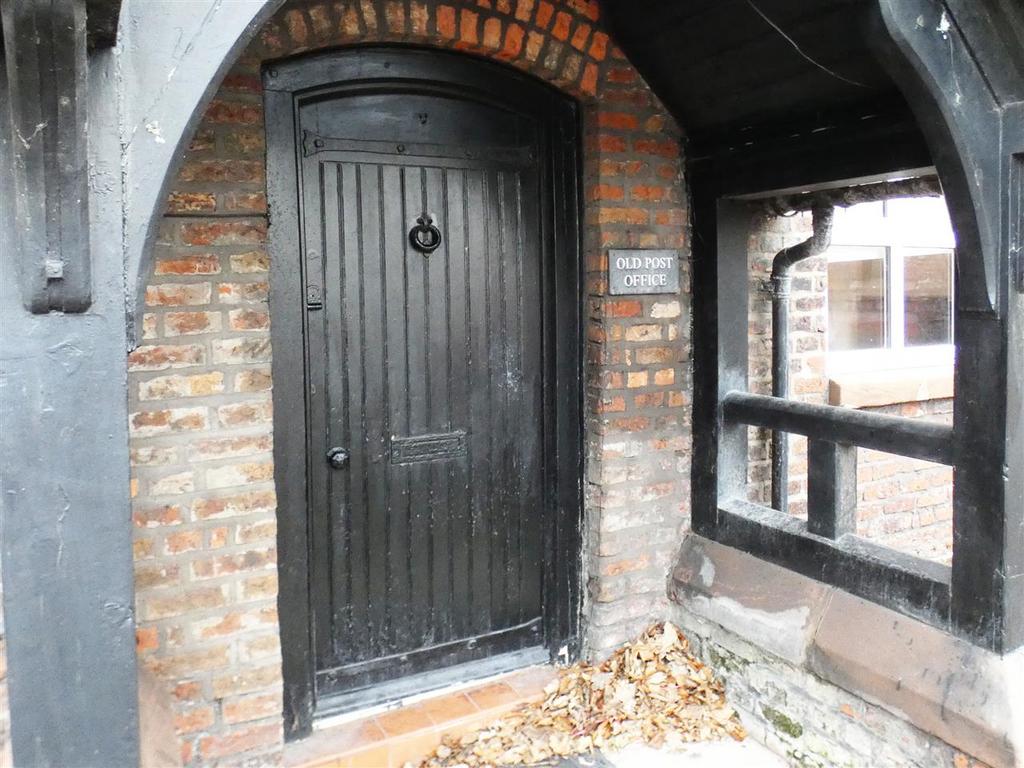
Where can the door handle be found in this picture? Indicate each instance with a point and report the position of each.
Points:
(337, 457)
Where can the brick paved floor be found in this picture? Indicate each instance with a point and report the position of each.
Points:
(713, 754)
(390, 738)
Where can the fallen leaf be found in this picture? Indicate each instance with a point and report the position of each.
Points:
(651, 690)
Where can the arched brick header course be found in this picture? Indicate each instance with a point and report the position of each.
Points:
(201, 417)
(558, 43)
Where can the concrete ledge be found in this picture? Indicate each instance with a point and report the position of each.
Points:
(877, 388)
(771, 607)
(969, 698)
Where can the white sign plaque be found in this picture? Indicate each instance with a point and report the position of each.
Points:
(642, 271)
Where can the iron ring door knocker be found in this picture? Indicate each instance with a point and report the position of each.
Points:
(424, 236)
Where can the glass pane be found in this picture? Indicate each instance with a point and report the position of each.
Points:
(920, 221)
(928, 296)
(856, 304)
(861, 224)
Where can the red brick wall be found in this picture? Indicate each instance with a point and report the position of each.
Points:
(903, 503)
(808, 319)
(201, 419)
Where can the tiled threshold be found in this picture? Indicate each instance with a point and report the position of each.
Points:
(393, 737)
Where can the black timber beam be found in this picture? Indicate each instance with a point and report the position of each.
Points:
(811, 150)
(925, 440)
(101, 21)
(911, 585)
(44, 45)
(64, 470)
(994, 31)
(959, 69)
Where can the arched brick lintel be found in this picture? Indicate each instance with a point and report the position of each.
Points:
(561, 44)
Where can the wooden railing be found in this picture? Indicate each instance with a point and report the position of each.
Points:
(833, 436)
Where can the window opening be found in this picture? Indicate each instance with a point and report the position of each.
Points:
(890, 286)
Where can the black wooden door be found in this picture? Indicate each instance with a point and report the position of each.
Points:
(424, 383)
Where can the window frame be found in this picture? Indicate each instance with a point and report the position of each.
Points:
(896, 241)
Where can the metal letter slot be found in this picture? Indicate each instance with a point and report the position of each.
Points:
(411, 450)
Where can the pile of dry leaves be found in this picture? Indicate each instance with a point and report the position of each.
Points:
(652, 691)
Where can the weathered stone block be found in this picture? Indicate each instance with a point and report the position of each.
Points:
(771, 606)
(965, 695)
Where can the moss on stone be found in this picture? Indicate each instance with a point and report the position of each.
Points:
(726, 661)
(782, 722)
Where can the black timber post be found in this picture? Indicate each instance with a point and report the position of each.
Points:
(961, 69)
(706, 421)
(720, 285)
(1013, 141)
(45, 48)
(831, 488)
(732, 243)
(64, 501)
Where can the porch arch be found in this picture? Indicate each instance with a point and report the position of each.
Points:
(632, 177)
(477, 31)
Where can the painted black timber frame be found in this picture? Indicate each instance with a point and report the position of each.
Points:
(286, 82)
(72, 690)
(966, 89)
(45, 47)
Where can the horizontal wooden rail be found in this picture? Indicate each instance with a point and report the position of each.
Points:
(892, 434)
(911, 585)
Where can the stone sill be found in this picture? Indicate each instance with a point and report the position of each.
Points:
(968, 697)
(877, 388)
(396, 737)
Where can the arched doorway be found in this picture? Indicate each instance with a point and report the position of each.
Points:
(427, 372)
(207, 322)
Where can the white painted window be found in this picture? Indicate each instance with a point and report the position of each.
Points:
(890, 286)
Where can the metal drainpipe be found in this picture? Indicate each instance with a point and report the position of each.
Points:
(781, 281)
